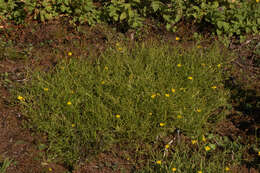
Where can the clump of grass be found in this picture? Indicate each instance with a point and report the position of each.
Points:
(125, 97)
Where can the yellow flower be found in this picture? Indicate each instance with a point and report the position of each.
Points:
(207, 148)
(256, 1)
(153, 96)
(158, 162)
(46, 89)
(73, 125)
(178, 65)
(120, 48)
(198, 110)
(190, 78)
(194, 141)
(106, 68)
(69, 53)
(179, 116)
(173, 90)
(162, 124)
(68, 103)
(199, 171)
(103, 82)
(117, 116)
(150, 113)
(203, 138)
(203, 64)
(50, 169)
(258, 153)
(199, 46)
(167, 95)
(214, 87)
(174, 169)
(167, 146)
(219, 65)
(20, 98)
(177, 38)
(227, 169)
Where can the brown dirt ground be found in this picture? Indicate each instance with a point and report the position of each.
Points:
(21, 146)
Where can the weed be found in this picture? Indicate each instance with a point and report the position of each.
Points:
(132, 98)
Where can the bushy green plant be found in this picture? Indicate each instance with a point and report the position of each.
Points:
(227, 17)
(131, 98)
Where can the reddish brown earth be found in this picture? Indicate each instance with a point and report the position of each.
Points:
(21, 145)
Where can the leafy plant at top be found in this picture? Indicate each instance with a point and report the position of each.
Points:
(228, 17)
(123, 12)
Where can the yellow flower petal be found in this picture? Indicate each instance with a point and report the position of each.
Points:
(177, 38)
(179, 116)
(68, 103)
(198, 110)
(174, 169)
(69, 53)
(190, 78)
(178, 65)
(194, 141)
(167, 95)
(227, 169)
(20, 98)
(173, 90)
(117, 116)
(153, 96)
(203, 138)
(162, 124)
(207, 148)
(167, 146)
(159, 162)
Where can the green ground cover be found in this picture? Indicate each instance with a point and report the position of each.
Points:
(160, 101)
